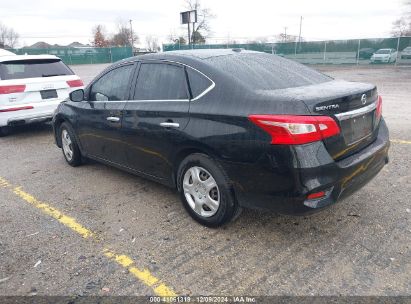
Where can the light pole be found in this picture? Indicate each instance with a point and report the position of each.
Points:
(187, 18)
(131, 33)
(299, 37)
(301, 24)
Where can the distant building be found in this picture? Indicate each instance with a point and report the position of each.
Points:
(45, 45)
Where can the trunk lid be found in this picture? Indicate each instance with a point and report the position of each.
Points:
(351, 104)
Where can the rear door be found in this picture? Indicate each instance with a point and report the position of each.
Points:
(36, 80)
(100, 118)
(155, 118)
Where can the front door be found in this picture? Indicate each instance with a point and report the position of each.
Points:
(100, 117)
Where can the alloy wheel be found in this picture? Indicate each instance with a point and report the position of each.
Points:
(67, 145)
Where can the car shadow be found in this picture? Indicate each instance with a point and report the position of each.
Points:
(30, 129)
(265, 221)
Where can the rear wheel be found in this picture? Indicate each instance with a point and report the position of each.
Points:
(69, 145)
(206, 192)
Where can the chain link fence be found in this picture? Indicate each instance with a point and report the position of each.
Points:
(395, 51)
(81, 55)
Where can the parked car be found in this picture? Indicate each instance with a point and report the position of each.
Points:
(229, 129)
(4, 52)
(406, 53)
(384, 56)
(365, 53)
(31, 87)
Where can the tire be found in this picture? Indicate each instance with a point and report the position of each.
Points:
(69, 146)
(206, 192)
(4, 131)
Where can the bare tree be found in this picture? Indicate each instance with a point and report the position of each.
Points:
(3, 35)
(152, 44)
(202, 28)
(123, 35)
(177, 39)
(8, 36)
(402, 26)
(99, 36)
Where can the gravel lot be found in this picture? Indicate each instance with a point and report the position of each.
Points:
(358, 247)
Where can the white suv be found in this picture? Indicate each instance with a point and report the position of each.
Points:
(31, 87)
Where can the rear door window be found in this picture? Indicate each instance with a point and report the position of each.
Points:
(161, 81)
(112, 86)
(20, 69)
(198, 82)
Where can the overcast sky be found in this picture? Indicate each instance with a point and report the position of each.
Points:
(63, 22)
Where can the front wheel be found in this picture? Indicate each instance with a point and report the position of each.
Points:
(206, 192)
(69, 145)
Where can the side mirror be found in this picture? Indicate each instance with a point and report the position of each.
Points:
(77, 95)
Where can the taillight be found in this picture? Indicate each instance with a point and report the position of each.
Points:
(378, 110)
(316, 195)
(296, 129)
(75, 83)
(16, 109)
(8, 89)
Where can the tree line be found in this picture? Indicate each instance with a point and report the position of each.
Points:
(402, 26)
(8, 37)
(124, 36)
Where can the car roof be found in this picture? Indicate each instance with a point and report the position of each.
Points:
(196, 55)
(198, 59)
(26, 57)
(4, 52)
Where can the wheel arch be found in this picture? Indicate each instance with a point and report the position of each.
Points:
(58, 121)
(185, 152)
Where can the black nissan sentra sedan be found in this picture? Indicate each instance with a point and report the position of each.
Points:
(229, 129)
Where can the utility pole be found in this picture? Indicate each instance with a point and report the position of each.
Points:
(189, 34)
(193, 35)
(298, 42)
(131, 33)
(285, 34)
(187, 18)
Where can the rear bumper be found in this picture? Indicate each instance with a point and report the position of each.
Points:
(282, 180)
(41, 112)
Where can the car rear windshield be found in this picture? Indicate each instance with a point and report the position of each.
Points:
(383, 52)
(267, 72)
(19, 69)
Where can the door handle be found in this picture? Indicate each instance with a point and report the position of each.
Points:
(113, 119)
(168, 124)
